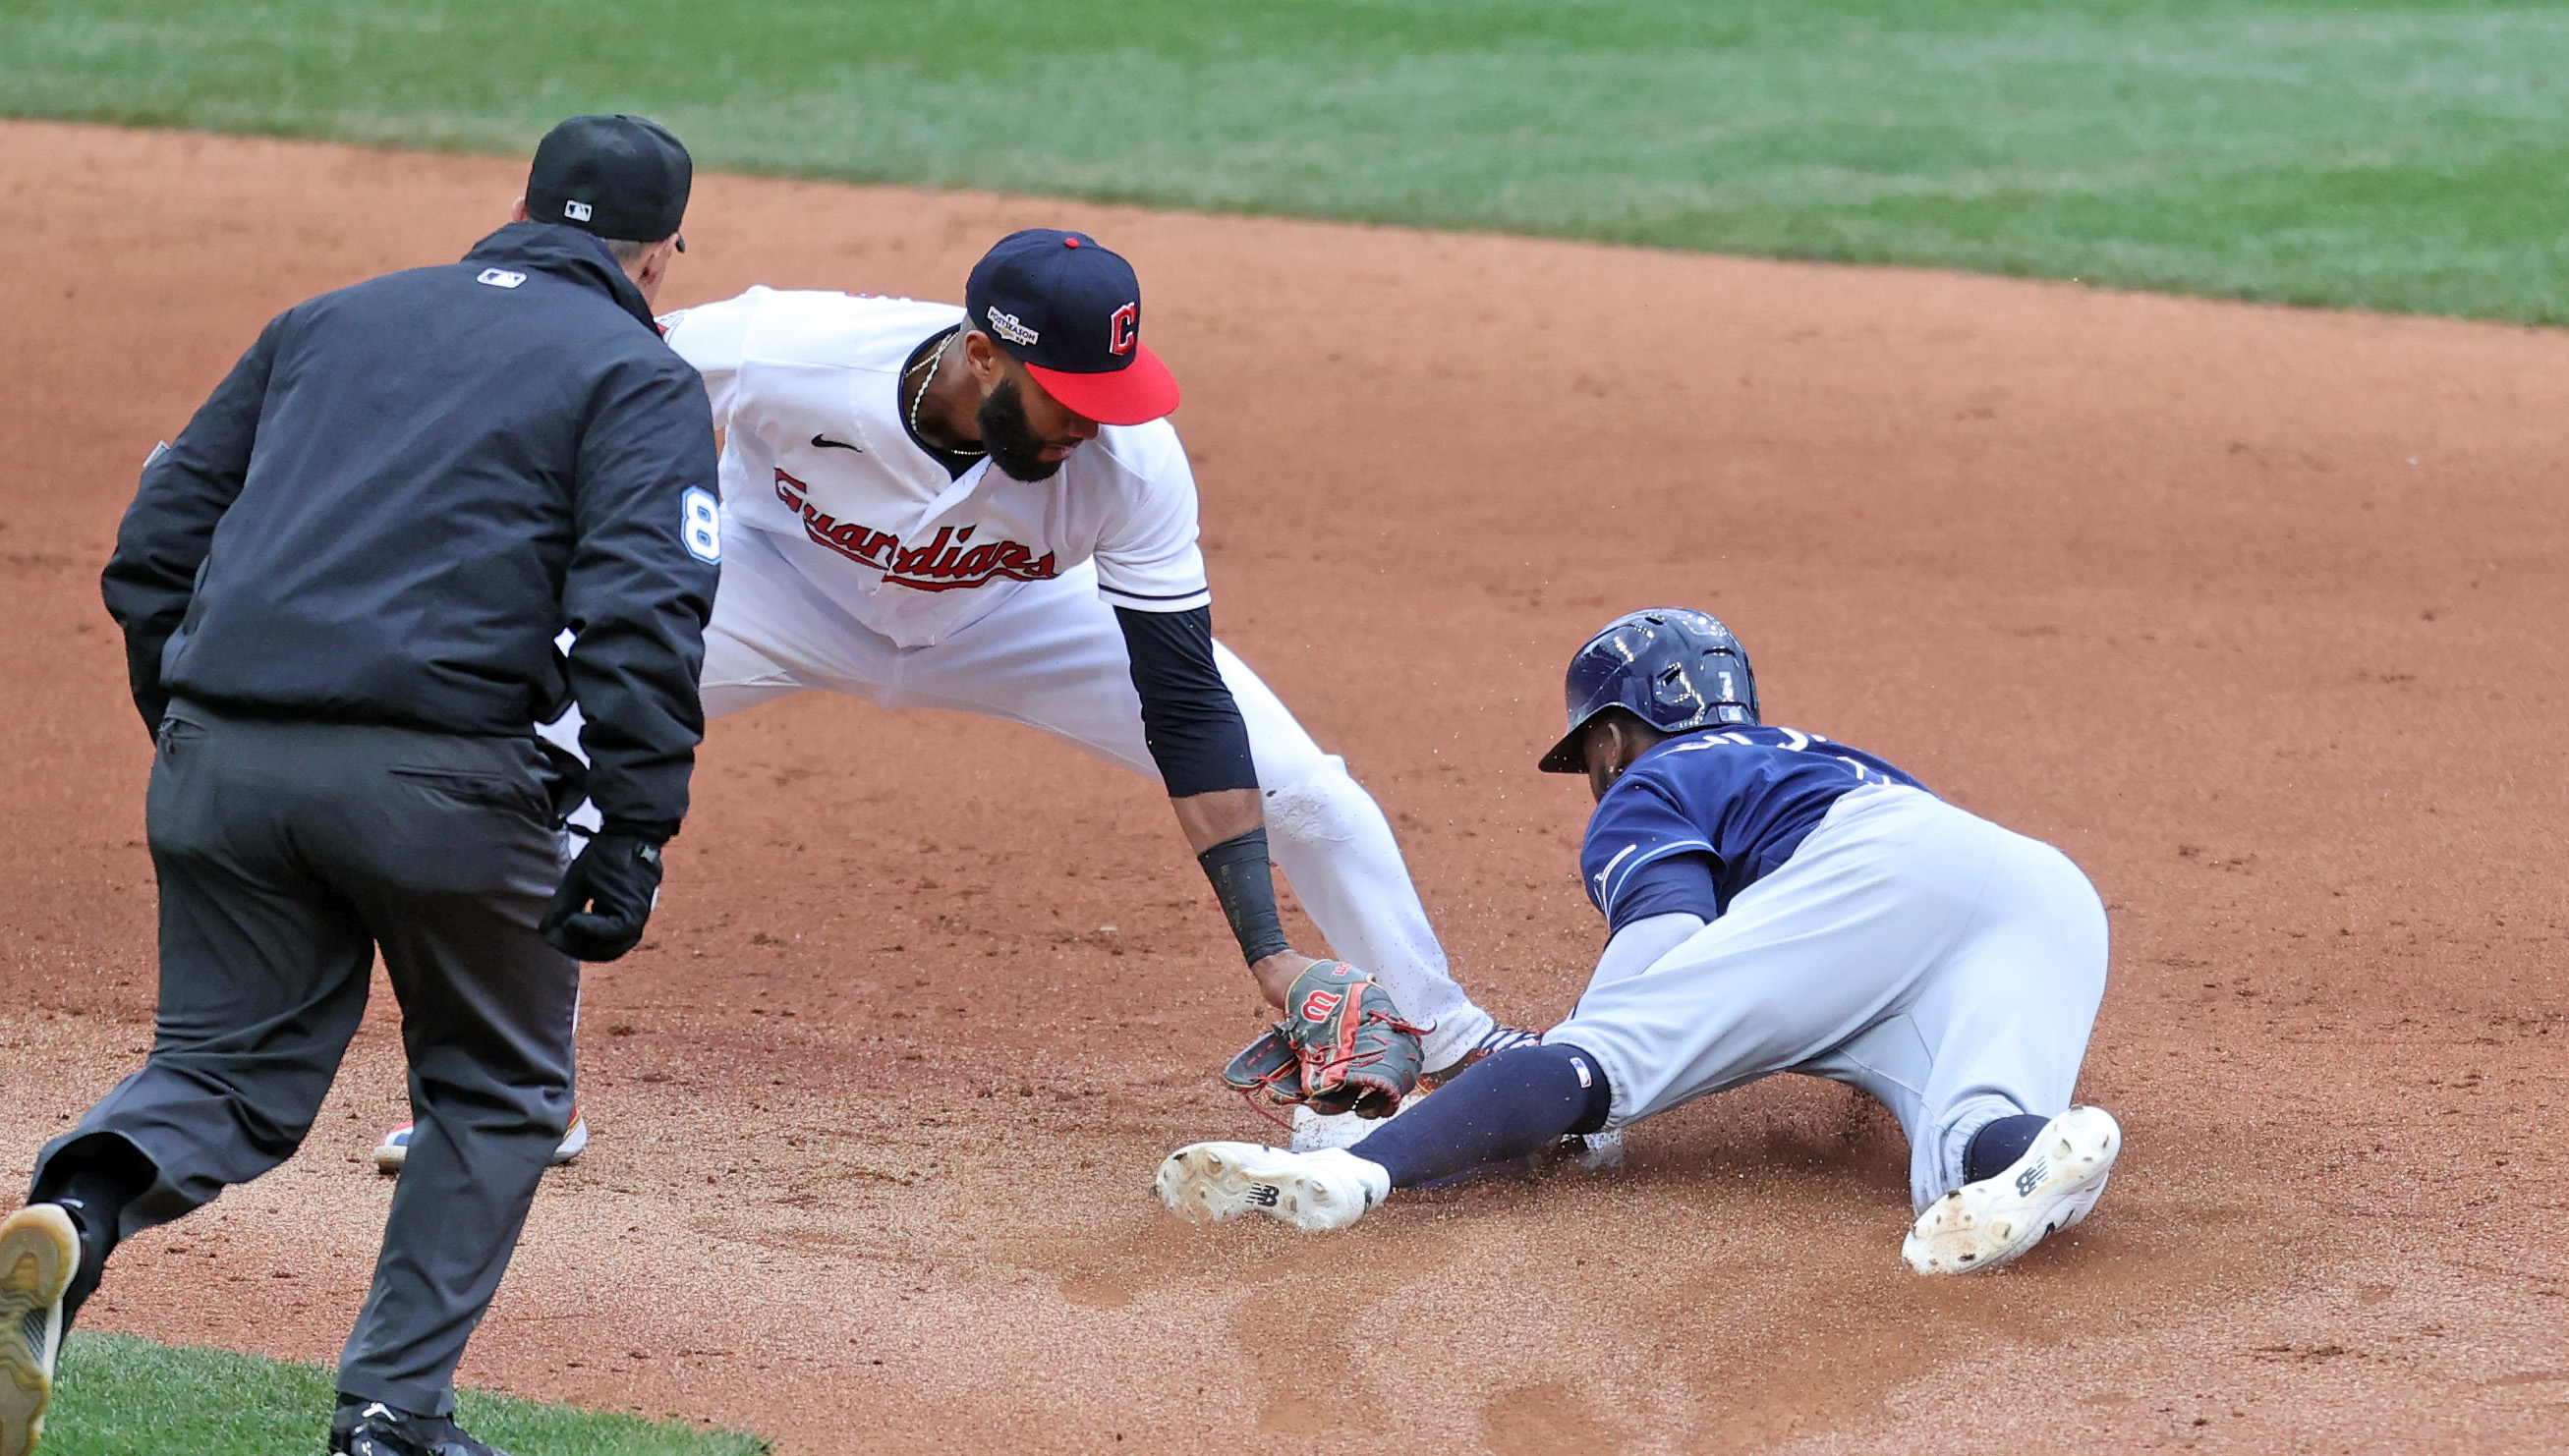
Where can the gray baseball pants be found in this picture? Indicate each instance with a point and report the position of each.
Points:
(1948, 966)
(288, 852)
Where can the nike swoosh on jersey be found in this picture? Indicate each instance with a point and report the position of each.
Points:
(1609, 868)
(824, 441)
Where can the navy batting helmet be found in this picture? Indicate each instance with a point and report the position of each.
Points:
(1671, 667)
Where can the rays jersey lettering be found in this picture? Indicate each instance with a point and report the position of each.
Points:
(941, 565)
(1741, 798)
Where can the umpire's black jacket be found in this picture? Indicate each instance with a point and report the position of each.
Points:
(407, 488)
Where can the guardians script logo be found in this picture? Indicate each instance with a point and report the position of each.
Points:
(949, 560)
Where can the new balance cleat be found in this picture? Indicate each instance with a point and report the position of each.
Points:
(40, 1253)
(1207, 1182)
(393, 1152)
(1985, 1225)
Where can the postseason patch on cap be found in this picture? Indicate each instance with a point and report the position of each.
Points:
(1071, 312)
(1007, 326)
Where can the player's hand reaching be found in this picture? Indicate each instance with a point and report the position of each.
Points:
(1340, 1048)
(618, 875)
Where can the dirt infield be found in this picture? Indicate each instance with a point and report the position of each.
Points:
(2256, 612)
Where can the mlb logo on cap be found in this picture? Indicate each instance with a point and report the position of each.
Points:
(613, 177)
(1071, 312)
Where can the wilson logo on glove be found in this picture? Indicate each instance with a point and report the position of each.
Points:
(1344, 1050)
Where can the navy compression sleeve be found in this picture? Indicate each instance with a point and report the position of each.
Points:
(1201, 743)
(1189, 719)
(1505, 1106)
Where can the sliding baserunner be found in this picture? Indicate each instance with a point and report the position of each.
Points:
(1777, 903)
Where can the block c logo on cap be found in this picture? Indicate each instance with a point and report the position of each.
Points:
(1124, 329)
(576, 211)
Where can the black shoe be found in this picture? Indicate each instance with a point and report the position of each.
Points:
(372, 1428)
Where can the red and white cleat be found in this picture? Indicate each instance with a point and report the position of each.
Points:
(394, 1150)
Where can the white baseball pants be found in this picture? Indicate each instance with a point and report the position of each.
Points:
(1052, 657)
(1948, 966)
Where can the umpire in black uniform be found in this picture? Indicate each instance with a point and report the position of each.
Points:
(340, 591)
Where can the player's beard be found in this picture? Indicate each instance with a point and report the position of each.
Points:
(1010, 437)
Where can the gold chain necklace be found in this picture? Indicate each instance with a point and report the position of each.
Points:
(930, 364)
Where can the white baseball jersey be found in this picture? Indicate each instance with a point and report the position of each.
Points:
(806, 388)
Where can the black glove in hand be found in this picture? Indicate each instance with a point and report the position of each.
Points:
(620, 875)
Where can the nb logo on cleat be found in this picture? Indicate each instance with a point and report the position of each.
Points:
(2027, 1181)
(1263, 1195)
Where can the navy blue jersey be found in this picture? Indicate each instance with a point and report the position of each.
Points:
(1705, 814)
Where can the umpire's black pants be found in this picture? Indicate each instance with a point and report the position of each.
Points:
(287, 853)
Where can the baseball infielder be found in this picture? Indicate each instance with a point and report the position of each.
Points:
(1777, 903)
(985, 509)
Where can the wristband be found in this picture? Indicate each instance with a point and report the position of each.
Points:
(1245, 884)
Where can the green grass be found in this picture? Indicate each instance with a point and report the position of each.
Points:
(119, 1396)
(2407, 156)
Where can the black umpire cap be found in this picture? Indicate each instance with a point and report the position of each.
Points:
(617, 176)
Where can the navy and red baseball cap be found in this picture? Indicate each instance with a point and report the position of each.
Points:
(1071, 312)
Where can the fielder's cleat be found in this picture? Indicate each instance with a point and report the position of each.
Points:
(40, 1251)
(394, 1151)
(372, 1428)
(1314, 1131)
(1596, 1152)
(1207, 1182)
(2054, 1185)
(1496, 1040)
